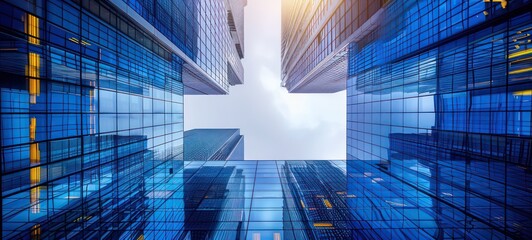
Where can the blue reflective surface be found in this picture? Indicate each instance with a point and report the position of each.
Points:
(301, 200)
(266, 200)
(91, 138)
(213, 145)
(91, 122)
(439, 106)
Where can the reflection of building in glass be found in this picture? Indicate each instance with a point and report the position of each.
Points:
(92, 109)
(85, 201)
(213, 145)
(315, 39)
(315, 201)
(216, 212)
(262, 200)
(439, 117)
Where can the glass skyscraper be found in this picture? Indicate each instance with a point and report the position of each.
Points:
(438, 110)
(315, 41)
(439, 115)
(91, 112)
(265, 200)
(213, 145)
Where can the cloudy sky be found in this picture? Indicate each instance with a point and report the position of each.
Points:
(276, 124)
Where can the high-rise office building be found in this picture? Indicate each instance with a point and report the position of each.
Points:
(91, 110)
(213, 145)
(210, 212)
(439, 121)
(215, 31)
(439, 113)
(265, 200)
(315, 198)
(315, 40)
(439, 99)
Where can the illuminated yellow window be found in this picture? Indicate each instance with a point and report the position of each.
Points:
(323, 224)
(327, 203)
(36, 232)
(523, 93)
(33, 128)
(523, 70)
(504, 3)
(74, 40)
(35, 175)
(32, 29)
(35, 154)
(34, 65)
(85, 43)
(520, 53)
(33, 72)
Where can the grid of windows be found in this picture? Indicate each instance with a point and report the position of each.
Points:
(91, 122)
(313, 30)
(201, 30)
(265, 200)
(213, 145)
(288, 200)
(439, 112)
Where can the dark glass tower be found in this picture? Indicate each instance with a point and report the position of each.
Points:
(213, 145)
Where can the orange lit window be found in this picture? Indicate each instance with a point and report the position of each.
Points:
(33, 128)
(32, 29)
(33, 70)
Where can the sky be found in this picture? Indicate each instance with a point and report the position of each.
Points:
(276, 125)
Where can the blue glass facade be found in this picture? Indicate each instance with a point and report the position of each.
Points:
(91, 115)
(315, 200)
(91, 121)
(266, 200)
(201, 30)
(315, 40)
(439, 137)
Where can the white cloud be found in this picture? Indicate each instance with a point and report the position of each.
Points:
(276, 124)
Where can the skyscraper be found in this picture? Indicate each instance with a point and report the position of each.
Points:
(92, 109)
(315, 40)
(439, 136)
(211, 212)
(265, 200)
(214, 145)
(315, 198)
(215, 29)
(438, 109)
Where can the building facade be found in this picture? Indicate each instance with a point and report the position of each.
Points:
(439, 121)
(263, 200)
(92, 110)
(216, 212)
(213, 145)
(315, 198)
(207, 35)
(315, 39)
